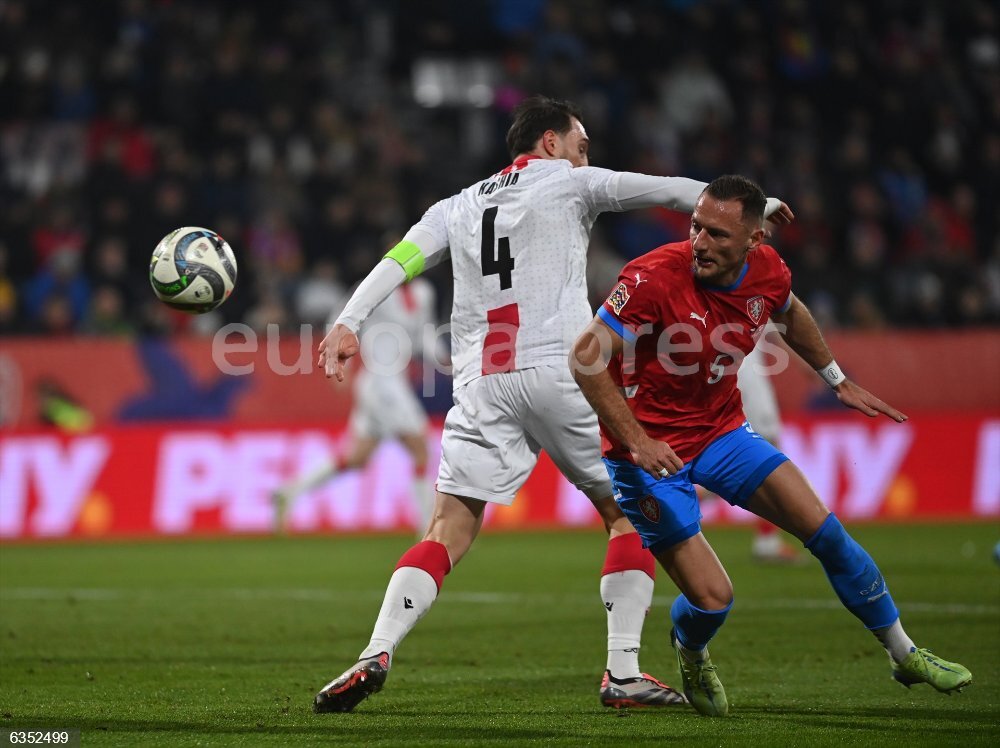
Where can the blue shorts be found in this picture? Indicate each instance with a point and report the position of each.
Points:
(665, 511)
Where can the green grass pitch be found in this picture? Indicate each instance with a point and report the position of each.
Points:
(224, 642)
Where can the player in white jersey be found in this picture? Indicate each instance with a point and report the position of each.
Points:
(761, 409)
(385, 405)
(518, 244)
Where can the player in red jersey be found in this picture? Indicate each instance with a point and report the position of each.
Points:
(658, 365)
(517, 242)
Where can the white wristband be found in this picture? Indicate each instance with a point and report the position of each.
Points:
(832, 374)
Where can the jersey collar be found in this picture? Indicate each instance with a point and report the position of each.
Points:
(520, 163)
(732, 286)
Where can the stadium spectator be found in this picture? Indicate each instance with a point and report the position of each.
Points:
(8, 295)
(61, 282)
(111, 270)
(107, 313)
(321, 293)
(259, 109)
(670, 422)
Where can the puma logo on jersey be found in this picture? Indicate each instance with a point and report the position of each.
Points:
(639, 279)
(701, 318)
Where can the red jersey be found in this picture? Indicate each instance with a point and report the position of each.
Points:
(685, 341)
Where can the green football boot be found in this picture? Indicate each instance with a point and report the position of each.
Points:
(923, 666)
(702, 686)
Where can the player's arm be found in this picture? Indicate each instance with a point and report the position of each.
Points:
(627, 190)
(424, 244)
(589, 363)
(804, 337)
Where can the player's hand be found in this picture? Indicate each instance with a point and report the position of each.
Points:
(780, 217)
(656, 458)
(336, 349)
(861, 399)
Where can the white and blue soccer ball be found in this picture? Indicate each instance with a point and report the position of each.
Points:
(193, 269)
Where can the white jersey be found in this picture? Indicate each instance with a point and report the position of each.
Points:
(394, 333)
(384, 402)
(760, 405)
(518, 244)
(401, 321)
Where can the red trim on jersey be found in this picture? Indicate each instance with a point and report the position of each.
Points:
(430, 556)
(500, 344)
(625, 553)
(519, 164)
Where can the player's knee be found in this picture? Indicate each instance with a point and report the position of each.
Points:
(417, 448)
(418, 452)
(717, 595)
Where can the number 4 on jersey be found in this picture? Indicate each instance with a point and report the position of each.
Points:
(496, 260)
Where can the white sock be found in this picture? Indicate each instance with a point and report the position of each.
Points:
(424, 494)
(767, 545)
(410, 594)
(627, 596)
(895, 641)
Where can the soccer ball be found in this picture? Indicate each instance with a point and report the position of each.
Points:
(192, 269)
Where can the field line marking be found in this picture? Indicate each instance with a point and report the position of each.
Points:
(322, 595)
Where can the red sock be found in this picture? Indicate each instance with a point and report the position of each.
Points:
(430, 556)
(625, 552)
(763, 527)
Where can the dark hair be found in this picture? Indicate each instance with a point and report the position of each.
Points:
(533, 117)
(746, 191)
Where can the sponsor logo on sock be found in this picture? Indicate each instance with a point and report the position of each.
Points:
(609, 606)
(872, 587)
(407, 603)
(869, 592)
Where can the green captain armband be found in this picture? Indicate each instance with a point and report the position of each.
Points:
(409, 256)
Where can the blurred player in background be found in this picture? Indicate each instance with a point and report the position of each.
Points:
(669, 421)
(385, 405)
(761, 409)
(518, 246)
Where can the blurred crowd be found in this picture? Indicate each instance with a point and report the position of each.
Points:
(311, 134)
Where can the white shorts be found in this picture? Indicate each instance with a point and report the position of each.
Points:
(384, 407)
(498, 425)
(759, 403)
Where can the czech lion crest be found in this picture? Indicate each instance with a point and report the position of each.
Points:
(755, 308)
(650, 508)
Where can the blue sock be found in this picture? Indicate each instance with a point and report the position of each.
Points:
(693, 626)
(853, 574)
